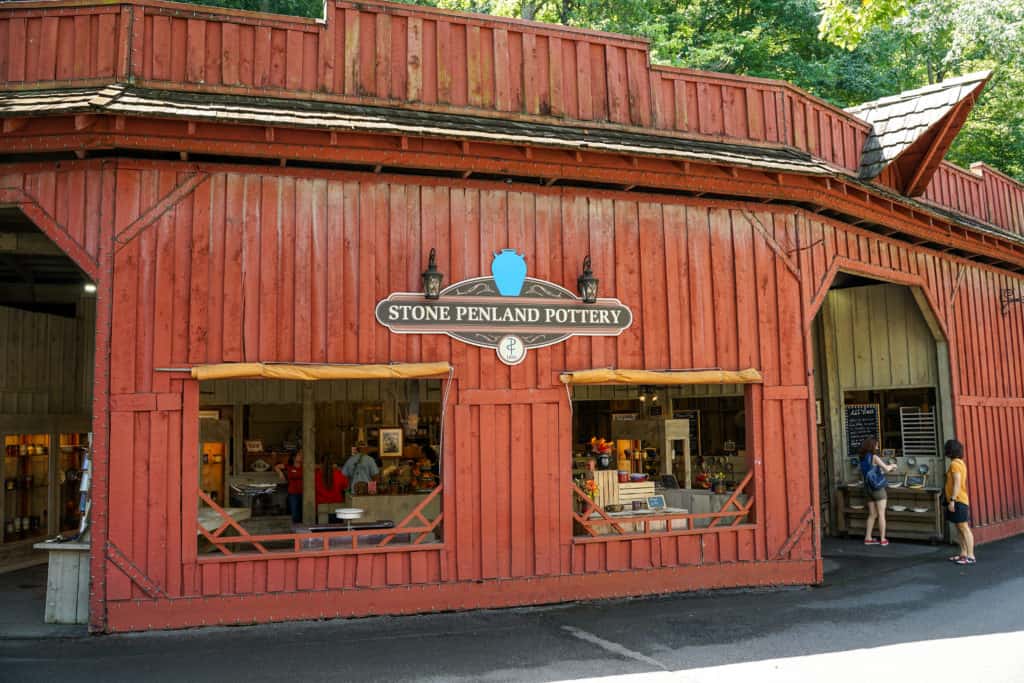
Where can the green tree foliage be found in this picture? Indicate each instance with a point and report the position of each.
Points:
(844, 51)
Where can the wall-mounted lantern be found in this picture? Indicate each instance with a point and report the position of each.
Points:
(1009, 297)
(587, 283)
(432, 277)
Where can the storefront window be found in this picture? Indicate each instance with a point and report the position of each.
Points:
(41, 485)
(26, 477)
(659, 451)
(376, 455)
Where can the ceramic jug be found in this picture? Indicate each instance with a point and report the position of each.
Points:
(509, 271)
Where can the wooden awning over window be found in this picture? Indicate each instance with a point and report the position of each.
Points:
(663, 378)
(309, 373)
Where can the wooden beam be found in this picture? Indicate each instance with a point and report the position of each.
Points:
(28, 244)
(918, 182)
(308, 455)
(13, 125)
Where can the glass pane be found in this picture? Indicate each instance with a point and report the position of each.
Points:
(26, 471)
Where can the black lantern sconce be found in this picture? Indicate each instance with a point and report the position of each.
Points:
(587, 283)
(1008, 297)
(432, 277)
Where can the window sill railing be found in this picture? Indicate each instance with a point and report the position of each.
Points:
(594, 523)
(230, 535)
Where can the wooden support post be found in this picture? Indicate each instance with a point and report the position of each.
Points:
(3, 492)
(53, 506)
(237, 438)
(308, 455)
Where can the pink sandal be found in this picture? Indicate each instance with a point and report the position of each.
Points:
(955, 558)
(967, 560)
(871, 541)
(884, 541)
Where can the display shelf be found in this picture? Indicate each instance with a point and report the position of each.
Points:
(925, 526)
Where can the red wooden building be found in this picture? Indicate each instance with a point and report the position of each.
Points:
(245, 188)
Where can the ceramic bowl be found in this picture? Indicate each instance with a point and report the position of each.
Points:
(898, 508)
(919, 509)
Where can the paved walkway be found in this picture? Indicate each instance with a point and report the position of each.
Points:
(902, 606)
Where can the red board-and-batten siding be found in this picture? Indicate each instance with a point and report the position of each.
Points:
(982, 192)
(287, 266)
(392, 54)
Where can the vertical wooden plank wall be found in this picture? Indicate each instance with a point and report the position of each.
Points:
(981, 192)
(46, 363)
(395, 53)
(62, 43)
(239, 233)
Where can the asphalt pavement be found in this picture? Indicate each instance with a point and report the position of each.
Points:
(905, 604)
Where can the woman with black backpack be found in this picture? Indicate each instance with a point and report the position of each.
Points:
(874, 469)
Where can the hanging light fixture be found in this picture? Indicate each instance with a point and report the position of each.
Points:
(587, 283)
(648, 394)
(432, 277)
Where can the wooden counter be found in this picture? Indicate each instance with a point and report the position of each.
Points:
(392, 507)
(638, 527)
(852, 513)
(700, 501)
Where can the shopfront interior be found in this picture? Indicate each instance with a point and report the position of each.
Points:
(47, 336)
(883, 373)
(375, 447)
(641, 449)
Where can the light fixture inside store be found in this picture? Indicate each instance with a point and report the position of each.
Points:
(90, 288)
(648, 395)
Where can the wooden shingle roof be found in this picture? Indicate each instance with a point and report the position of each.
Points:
(126, 100)
(916, 127)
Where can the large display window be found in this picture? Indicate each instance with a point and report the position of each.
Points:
(660, 458)
(374, 447)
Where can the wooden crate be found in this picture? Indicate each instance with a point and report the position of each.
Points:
(639, 490)
(607, 487)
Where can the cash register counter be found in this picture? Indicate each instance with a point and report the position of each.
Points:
(701, 501)
(395, 508)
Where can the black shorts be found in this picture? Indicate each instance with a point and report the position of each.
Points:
(877, 495)
(960, 514)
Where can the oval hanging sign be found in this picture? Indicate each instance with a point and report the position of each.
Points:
(507, 312)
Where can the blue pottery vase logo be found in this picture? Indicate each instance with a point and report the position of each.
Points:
(509, 271)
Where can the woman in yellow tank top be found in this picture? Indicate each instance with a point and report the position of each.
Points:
(958, 509)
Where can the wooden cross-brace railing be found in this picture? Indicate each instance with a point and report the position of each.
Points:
(732, 512)
(415, 524)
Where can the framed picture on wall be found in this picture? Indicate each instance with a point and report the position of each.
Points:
(391, 442)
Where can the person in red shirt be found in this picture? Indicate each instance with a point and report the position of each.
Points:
(292, 473)
(330, 483)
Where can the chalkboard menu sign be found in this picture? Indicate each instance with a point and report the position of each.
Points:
(694, 417)
(862, 420)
